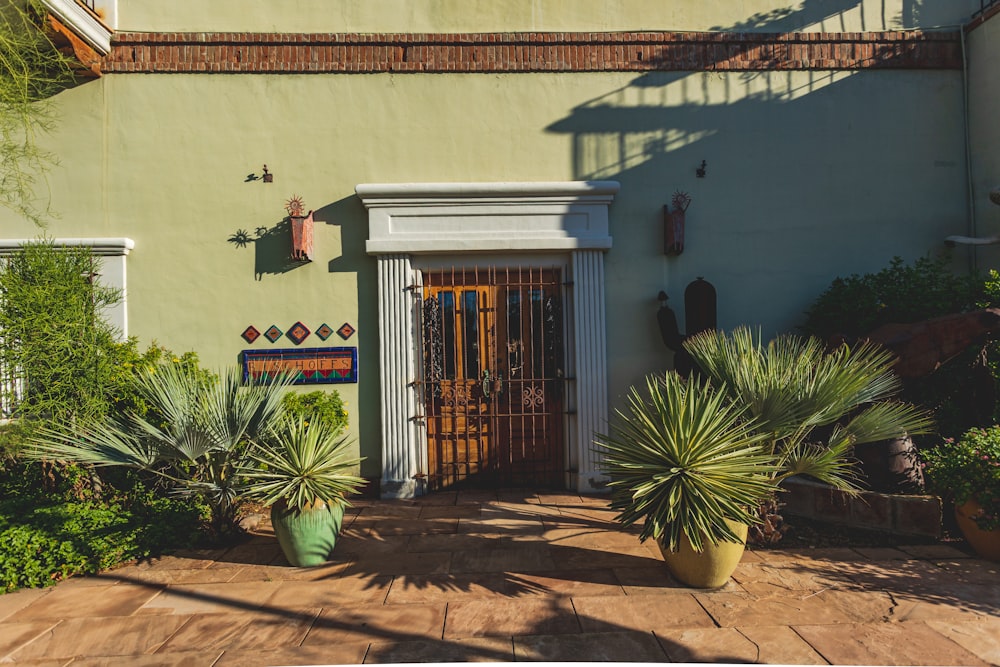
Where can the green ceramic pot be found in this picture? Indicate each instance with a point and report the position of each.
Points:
(307, 537)
(712, 567)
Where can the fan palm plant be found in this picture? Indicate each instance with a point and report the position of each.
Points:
(813, 406)
(195, 437)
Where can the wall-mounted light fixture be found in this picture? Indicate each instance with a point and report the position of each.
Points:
(302, 229)
(700, 171)
(673, 224)
(268, 177)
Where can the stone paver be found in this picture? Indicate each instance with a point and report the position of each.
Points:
(88, 601)
(507, 618)
(96, 636)
(448, 587)
(713, 645)
(482, 649)
(264, 630)
(14, 602)
(214, 597)
(178, 659)
(780, 645)
(377, 622)
(913, 643)
(352, 653)
(596, 647)
(647, 613)
(505, 576)
(980, 636)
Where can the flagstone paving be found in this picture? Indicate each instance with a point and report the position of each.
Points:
(509, 576)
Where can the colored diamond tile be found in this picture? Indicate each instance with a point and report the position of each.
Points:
(250, 334)
(298, 333)
(273, 334)
(345, 331)
(324, 331)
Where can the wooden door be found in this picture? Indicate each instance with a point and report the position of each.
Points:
(493, 376)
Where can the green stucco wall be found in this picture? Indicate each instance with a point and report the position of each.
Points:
(809, 176)
(984, 112)
(543, 15)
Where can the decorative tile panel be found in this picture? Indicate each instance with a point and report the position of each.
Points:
(297, 333)
(345, 331)
(273, 333)
(320, 365)
(324, 331)
(250, 334)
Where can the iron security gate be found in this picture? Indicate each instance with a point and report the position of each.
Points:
(493, 377)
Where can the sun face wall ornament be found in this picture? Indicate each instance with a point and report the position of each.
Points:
(302, 229)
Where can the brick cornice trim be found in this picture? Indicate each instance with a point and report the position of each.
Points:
(267, 53)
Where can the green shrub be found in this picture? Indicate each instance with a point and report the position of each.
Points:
(969, 468)
(928, 288)
(961, 392)
(325, 405)
(45, 538)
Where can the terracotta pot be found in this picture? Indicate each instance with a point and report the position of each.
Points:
(307, 537)
(712, 567)
(986, 543)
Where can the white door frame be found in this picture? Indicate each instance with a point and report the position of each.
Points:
(413, 224)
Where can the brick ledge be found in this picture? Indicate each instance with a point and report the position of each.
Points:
(528, 52)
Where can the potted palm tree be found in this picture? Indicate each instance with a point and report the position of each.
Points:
(686, 462)
(789, 407)
(303, 470)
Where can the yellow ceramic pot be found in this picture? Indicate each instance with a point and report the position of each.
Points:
(712, 567)
(986, 543)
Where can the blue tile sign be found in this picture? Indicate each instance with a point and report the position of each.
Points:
(319, 365)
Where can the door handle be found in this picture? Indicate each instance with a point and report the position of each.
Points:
(492, 385)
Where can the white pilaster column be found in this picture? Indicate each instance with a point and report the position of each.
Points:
(401, 451)
(591, 366)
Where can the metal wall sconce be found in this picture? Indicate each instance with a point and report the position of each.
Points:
(700, 171)
(302, 230)
(268, 176)
(673, 224)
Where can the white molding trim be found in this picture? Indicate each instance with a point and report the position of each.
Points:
(450, 221)
(88, 28)
(419, 218)
(112, 269)
(105, 247)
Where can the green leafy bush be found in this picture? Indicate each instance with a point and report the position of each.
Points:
(325, 405)
(962, 393)
(54, 336)
(928, 288)
(46, 534)
(969, 468)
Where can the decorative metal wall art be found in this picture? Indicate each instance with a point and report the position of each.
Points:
(673, 224)
(320, 365)
(302, 229)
